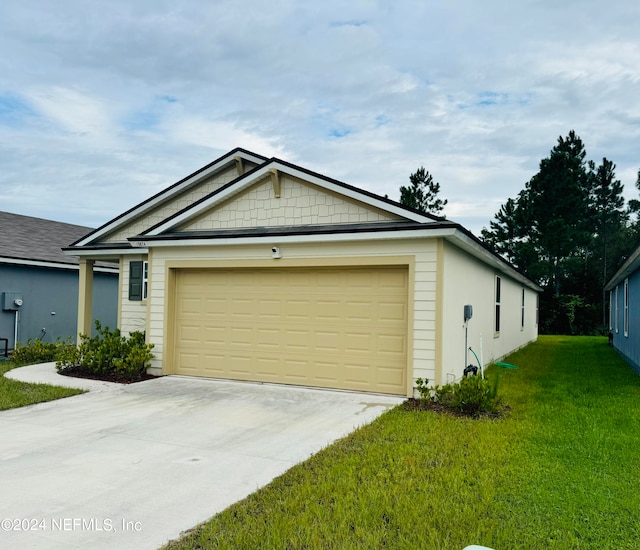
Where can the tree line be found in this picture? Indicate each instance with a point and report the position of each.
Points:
(569, 230)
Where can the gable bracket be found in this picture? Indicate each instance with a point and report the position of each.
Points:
(239, 164)
(275, 181)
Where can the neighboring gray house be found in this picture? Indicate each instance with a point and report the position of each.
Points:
(624, 310)
(39, 284)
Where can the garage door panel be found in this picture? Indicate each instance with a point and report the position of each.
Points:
(327, 310)
(335, 327)
(392, 344)
(392, 311)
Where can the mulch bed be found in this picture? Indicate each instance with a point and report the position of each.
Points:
(78, 373)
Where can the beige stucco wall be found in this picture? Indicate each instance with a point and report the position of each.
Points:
(422, 300)
(466, 280)
(187, 198)
(300, 203)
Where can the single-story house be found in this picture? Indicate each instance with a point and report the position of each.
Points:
(253, 268)
(624, 313)
(39, 284)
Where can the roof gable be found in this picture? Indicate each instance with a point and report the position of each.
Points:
(283, 200)
(355, 205)
(174, 198)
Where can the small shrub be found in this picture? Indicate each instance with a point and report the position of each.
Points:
(109, 355)
(471, 396)
(36, 351)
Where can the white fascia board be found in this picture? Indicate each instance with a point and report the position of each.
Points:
(111, 253)
(631, 265)
(162, 197)
(264, 172)
(314, 238)
(54, 265)
(470, 246)
(451, 234)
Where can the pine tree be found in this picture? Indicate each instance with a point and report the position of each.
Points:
(609, 220)
(503, 233)
(422, 193)
(556, 206)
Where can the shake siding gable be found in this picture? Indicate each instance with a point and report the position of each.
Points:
(300, 203)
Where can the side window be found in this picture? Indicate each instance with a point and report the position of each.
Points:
(616, 308)
(145, 279)
(626, 307)
(497, 317)
(522, 311)
(611, 311)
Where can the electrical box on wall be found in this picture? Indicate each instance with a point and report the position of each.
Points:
(12, 301)
(468, 312)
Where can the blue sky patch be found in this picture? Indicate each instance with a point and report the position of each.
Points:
(339, 132)
(149, 118)
(13, 109)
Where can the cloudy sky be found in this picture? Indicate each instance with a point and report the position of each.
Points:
(103, 104)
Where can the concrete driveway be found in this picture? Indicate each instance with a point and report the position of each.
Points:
(132, 466)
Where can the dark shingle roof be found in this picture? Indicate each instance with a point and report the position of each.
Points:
(27, 238)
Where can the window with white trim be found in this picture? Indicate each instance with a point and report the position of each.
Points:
(497, 315)
(611, 311)
(616, 317)
(145, 279)
(626, 307)
(522, 311)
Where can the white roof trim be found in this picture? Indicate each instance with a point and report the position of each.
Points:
(264, 172)
(99, 253)
(54, 265)
(162, 196)
(631, 265)
(453, 235)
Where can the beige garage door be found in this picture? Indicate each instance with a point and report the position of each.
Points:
(333, 328)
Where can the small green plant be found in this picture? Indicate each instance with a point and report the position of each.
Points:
(108, 354)
(472, 396)
(36, 351)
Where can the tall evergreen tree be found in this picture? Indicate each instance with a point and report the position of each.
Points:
(609, 220)
(556, 207)
(422, 193)
(503, 233)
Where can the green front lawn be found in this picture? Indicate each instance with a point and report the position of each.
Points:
(18, 394)
(561, 471)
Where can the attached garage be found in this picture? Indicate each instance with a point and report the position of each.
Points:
(342, 328)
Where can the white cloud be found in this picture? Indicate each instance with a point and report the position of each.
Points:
(122, 99)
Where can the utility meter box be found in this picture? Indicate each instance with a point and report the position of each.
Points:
(12, 301)
(468, 312)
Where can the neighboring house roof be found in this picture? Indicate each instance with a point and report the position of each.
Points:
(32, 241)
(401, 221)
(630, 266)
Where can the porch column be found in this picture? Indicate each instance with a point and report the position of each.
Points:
(85, 296)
